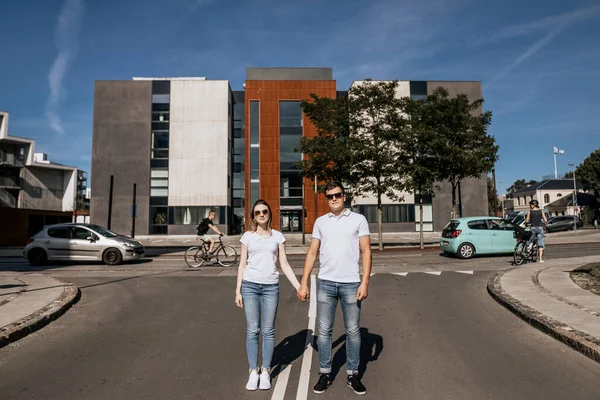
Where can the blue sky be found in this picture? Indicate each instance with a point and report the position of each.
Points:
(538, 60)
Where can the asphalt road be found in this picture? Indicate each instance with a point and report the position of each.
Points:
(177, 335)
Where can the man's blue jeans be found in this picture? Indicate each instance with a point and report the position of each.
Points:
(260, 306)
(328, 294)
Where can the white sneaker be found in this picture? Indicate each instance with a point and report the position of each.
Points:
(265, 381)
(541, 261)
(252, 381)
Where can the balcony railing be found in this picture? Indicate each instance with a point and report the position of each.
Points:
(7, 198)
(10, 182)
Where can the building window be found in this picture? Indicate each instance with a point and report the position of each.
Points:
(391, 213)
(290, 133)
(254, 150)
(546, 198)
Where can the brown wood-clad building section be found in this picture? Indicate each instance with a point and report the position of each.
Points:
(269, 93)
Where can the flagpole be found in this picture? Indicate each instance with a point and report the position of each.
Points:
(555, 171)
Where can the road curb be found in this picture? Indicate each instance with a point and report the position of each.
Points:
(33, 322)
(583, 343)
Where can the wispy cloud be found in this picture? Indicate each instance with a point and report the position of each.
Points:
(553, 26)
(66, 37)
(195, 4)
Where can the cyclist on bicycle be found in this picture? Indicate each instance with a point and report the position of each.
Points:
(535, 216)
(203, 228)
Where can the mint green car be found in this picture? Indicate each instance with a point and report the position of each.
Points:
(467, 237)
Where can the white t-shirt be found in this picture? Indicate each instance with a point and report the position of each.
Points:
(339, 251)
(262, 257)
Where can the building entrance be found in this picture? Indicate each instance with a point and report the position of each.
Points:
(291, 220)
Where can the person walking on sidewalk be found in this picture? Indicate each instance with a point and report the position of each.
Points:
(338, 237)
(535, 216)
(257, 289)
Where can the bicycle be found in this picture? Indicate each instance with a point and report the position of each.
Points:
(195, 256)
(522, 254)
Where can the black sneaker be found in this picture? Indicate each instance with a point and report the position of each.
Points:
(355, 384)
(323, 384)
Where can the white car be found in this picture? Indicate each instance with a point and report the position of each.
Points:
(81, 242)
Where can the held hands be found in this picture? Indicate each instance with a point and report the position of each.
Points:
(362, 292)
(238, 301)
(302, 292)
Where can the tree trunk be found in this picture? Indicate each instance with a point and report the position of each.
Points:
(453, 216)
(379, 223)
(421, 222)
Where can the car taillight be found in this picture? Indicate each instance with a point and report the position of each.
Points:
(455, 233)
(30, 240)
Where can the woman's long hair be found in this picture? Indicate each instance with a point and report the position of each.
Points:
(253, 225)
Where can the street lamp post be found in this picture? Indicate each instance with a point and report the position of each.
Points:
(574, 199)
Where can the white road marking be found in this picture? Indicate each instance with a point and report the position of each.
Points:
(302, 392)
(465, 272)
(372, 273)
(438, 273)
(189, 240)
(282, 381)
(399, 273)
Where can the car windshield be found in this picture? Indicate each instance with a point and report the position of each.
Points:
(103, 231)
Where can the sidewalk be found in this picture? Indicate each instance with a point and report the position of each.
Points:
(29, 302)
(545, 296)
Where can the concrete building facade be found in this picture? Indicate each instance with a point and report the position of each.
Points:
(192, 145)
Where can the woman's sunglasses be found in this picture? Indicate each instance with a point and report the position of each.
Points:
(264, 212)
(332, 196)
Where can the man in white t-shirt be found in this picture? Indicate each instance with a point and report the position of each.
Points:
(338, 237)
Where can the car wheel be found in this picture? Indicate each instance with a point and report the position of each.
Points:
(112, 256)
(37, 257)
(466, 251)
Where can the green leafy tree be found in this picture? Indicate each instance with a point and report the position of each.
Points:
(588, 173)
(354, 143)
(467, 149)
(328, 155)
(415, 140)
(373, 107)
(490, 193)
(519, 184)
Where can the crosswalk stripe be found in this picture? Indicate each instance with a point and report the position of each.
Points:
(465, 272)
(438, 273)
(302, 392)
(399, 273)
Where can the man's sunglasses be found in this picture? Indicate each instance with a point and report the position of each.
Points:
(264, 212)
(332, 196)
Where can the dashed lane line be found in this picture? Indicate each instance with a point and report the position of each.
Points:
(282, 381)
(302, 392)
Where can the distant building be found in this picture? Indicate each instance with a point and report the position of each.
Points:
(34, 191)
(545, 192)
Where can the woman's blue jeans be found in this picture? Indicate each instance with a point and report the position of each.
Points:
(260, 306)
(328, 294)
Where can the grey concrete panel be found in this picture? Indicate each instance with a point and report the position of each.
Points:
(43, 188)
(289, 74)
(121, 147)
(473, 191)
(393, 227)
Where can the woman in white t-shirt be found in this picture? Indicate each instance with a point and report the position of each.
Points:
(257, 289)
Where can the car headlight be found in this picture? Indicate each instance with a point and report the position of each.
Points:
(129, 244)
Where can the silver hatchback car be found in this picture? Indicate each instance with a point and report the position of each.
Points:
(81, 242)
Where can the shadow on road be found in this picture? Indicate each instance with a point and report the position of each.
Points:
(371, 347)
(288, 350)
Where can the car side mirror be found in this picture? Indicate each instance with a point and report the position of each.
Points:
(91, 238)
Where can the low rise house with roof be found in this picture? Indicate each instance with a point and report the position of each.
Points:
(545, 192)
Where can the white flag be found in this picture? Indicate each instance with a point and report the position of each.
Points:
(558, 151)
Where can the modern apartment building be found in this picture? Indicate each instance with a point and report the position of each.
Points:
(33, 190)
(191, 145)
